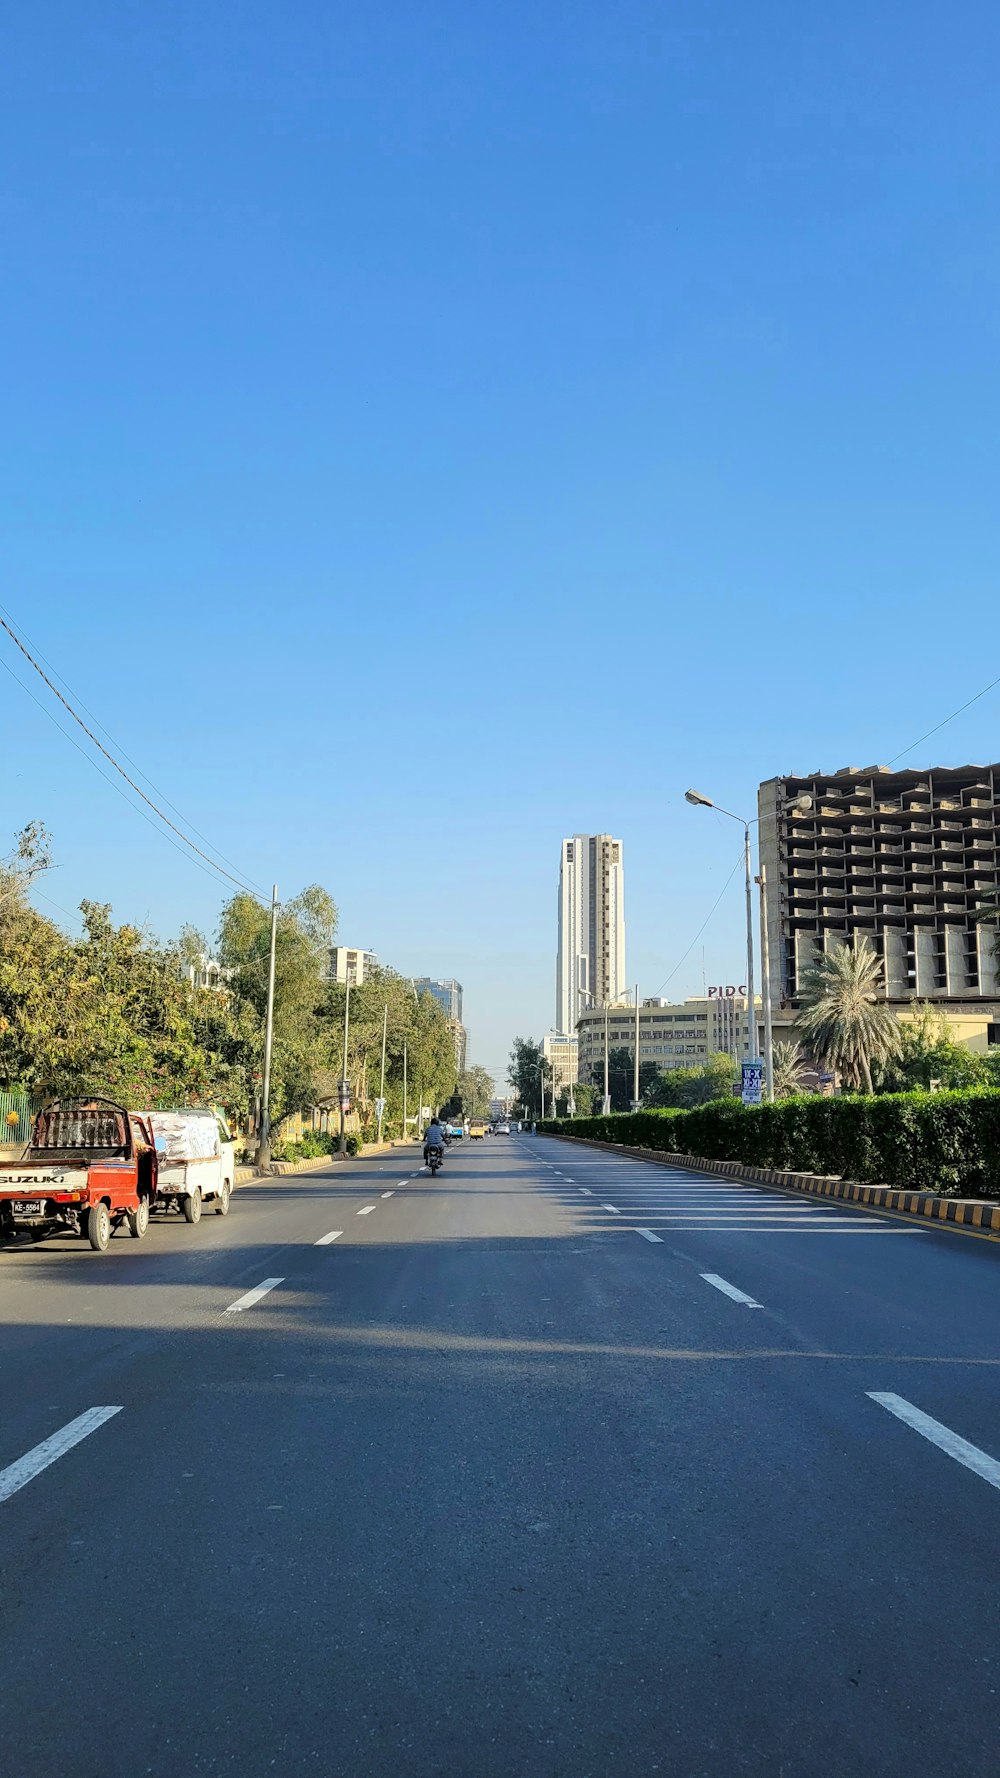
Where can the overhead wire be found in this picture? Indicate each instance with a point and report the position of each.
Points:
(944, 724)
(240, 882)
(120, 749)
(107, 778)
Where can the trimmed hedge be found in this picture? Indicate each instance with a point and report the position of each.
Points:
(941, 1142)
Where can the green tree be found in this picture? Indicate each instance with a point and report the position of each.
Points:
(843, 1018)
(790, 1067)
(475, 1089)
(526, 1070)
(300, 1071)
(928, 1053)
(585, 1098)
(621, 1078)
(686, 1088)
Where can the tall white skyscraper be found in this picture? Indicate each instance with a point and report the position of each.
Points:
(590, 969)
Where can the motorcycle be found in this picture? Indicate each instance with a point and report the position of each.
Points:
(435, 1156)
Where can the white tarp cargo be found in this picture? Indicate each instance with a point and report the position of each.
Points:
(197, 1162)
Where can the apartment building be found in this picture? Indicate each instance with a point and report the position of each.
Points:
(590, 966)
(448, 994)
(672, 1034)
(348, 965)
(905, 858)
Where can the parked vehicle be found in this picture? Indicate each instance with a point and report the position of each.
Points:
(435, 1156)
(197, 1164)
(90, 1167)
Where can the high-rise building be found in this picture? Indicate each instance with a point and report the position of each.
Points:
(448, 995)
(350, 965)
(905, 858)
(590, 968)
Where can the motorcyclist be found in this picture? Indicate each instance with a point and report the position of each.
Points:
(433, 1137)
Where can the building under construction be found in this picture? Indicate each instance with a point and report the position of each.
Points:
(906, 858)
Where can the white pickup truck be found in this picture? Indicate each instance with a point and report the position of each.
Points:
(196, 1153)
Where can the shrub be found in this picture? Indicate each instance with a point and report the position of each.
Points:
(941, 1142)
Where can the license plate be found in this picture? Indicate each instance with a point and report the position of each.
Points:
(29, 1206)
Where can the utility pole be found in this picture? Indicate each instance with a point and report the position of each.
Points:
(405, 1121)
(751, 1007)
(263, 1158)
(635, 1078)
(541, 1082)
(607, 1091)
(381, 1089)
(765, 986)
(342, 1141)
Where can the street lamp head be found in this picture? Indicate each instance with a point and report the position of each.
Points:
(695, 796)
(802, 804)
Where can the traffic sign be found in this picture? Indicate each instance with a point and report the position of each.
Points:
(752, 1085)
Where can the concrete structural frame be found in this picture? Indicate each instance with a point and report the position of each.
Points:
(590, 966)
(673, 1034)
(905, 858)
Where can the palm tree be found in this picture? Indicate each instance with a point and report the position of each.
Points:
(789, 1065)
(844, 1019)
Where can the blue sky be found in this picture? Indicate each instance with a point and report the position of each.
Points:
(434, 429)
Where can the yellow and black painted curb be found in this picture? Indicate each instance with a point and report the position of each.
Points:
(977, 1215)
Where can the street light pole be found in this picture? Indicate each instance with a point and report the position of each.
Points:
(766, 987)
(799, 805)
(607, 1091)
(342, 1142)
(381, 1088)
(635, 1075)
(405, 1118)
(264, 1133)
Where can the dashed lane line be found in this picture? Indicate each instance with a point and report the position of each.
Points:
(34, 1461)
(648, 1235)
(738, 1296)
(387, 1194)
(366, 1211)
(613, 1209)
(253, 1296)
(324, 1240)
(970, 1456)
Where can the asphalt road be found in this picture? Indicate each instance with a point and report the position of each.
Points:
(493, 1485)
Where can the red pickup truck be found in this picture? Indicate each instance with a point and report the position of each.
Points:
(89, 1167)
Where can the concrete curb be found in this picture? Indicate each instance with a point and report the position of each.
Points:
(971, 1213)
(278, 1169)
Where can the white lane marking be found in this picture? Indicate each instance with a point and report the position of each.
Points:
(947, 1441)
(738, 1296)
(401, 1182)
(585, 1192)
(613, 1209)
(366, 1211)
(648, 1235)
(253, 1296)
(387, 1194)
(34, 1461)
(324, 1240)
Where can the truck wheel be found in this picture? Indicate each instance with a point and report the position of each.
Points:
(99, 1227)
(222, 1201)
(138, 1220)
(192, 1206)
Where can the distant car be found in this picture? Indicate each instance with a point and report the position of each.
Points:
(503, 1129)
(456, 1132)
(477, 1129)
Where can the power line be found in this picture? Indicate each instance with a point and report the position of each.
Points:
(120, 769)
(947, 719)
(704, 923)
(105, 775)
(117, 744)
